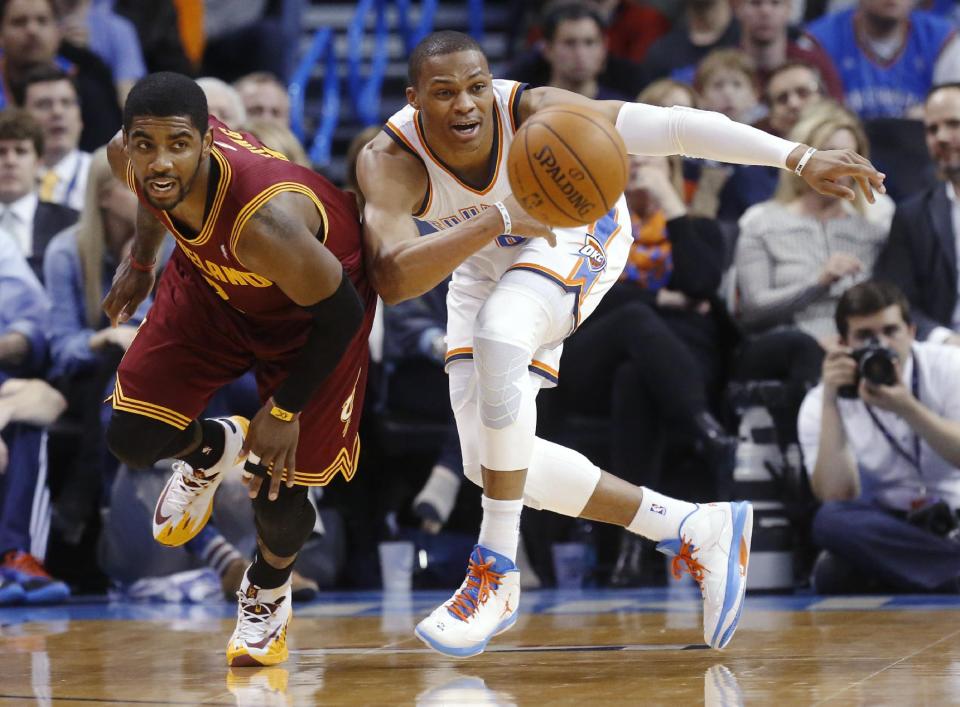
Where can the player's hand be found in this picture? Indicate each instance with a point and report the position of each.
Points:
(526, 225)
(130, 287)
(826, 170)
(272, 444)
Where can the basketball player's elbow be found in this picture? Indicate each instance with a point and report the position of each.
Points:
(387, 279)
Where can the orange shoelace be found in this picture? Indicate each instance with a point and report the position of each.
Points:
(26, 563)
(684, 561)
(480, 578)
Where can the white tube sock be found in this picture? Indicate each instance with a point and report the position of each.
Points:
(500, 528)
(659, 517)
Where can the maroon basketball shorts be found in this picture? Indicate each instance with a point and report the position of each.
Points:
(191, 344)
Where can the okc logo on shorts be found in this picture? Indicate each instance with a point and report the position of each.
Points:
(593, 252)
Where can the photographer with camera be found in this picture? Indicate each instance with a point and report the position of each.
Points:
(881, 441)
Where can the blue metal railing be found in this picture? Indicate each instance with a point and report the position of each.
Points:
(475, 10)
(412, 35)
(363, 86)
(322, 48)
(365, 89)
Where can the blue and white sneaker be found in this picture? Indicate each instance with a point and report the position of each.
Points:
(714, 544)
(10, 591)
(483, 607)
(200, 586)
(36, 583)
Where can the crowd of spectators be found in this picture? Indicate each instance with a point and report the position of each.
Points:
(737, 276)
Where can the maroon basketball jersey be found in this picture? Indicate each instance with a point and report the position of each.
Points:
(249, 175)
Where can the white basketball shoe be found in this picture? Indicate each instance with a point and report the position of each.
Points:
(483, 607)
(185, 504)
(263, 616)
(714, 546)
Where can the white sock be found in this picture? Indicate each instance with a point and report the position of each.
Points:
(659, 517)
(500, 528)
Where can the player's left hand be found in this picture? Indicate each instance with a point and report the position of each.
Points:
(826, 170)
(272, 444)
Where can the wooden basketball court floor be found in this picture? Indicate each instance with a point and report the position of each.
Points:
(593, 647)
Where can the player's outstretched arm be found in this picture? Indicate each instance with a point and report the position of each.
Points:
(400, 263)
(653, 130)
(278, 243)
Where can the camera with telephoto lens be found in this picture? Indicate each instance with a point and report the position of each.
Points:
(875, 364)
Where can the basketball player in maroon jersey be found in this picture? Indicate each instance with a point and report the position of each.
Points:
(268, 274)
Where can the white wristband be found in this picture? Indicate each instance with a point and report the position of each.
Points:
(507, 222)
(798, 170)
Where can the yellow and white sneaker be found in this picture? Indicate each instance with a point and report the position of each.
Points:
(714, 546)
(185, 504)
(263, 615)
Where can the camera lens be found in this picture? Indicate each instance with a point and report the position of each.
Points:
(877, 366)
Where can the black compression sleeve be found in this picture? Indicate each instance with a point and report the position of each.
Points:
(335, 321)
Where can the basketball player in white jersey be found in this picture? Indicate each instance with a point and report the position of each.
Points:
(518, 290)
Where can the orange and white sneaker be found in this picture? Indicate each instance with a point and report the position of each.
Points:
(185, 504)
(714, 547)
(483, 607)
(263, 616)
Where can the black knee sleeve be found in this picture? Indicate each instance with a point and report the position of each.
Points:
(285, 524)
(139, 441)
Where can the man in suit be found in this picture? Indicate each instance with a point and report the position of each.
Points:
(921, 253)
(51, 97)
(30, 222)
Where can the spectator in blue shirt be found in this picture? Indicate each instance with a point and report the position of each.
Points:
(888, 55)
(95, 26)
(78, 268)
(24, 313)
(26, 406)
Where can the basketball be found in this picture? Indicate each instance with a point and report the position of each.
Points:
(567, 166)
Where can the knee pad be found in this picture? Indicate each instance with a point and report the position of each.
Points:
(284, 525)
(503, 381)
(463, 400)
(140, 442)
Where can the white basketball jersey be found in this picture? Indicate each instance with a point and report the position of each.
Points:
(585, 263)
(449, 200)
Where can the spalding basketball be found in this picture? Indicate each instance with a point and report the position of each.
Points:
(567, 166)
